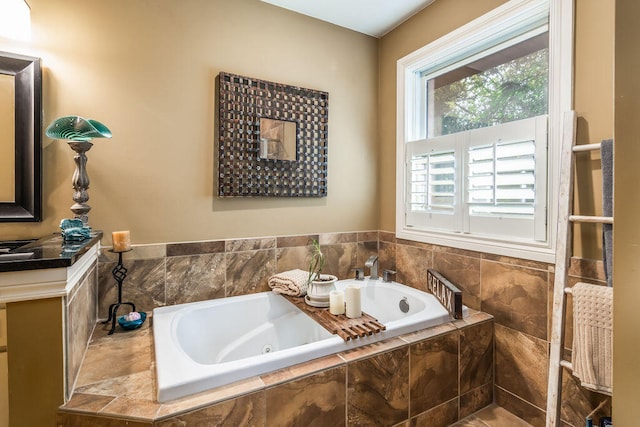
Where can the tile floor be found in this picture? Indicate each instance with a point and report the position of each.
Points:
(492, 416)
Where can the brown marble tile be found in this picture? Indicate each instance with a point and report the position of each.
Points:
(442, 415)
(515, 296)
(456, 251)
(301, 369)
(103, 357)
(293, 241)
(368, 236)
(378, 389)
(317, 400)
(340, 259)
(80, 323)
(365, 250)
(577, 401)
(387, 236)
(522, 365)
(463, 271)
(495, 416)
(248, 272)
(139, 252)
(246, 410)
(387, 257)
(476, 356)
(292, 258)
(471, 421)
(337, 238)
(434, 372)
(587, 269)
(65, 419)
(195, 248)
(209, 397)
(134, 408)
(536, 265)
(424, 334)
(87, 402)
(250, 244)
(520, 408)
(195, 278)
(476, 399)
(415, 244)
(372, 349)
(473, 318)
(138, 386)
(412, 265)
(144, 286)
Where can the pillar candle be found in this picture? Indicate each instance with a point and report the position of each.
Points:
(121, 241)
(353, 301)
(336, 302)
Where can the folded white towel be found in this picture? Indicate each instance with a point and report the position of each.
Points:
(292, 282)
(592, 354)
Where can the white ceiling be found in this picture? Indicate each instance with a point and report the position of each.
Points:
(372, 17)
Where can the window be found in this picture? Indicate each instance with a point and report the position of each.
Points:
(476, 122)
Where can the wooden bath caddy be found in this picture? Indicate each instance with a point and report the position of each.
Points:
(341, 325)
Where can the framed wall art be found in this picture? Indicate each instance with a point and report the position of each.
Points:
(272, 139)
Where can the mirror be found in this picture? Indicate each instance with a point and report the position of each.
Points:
(278, 139)
(20, 138)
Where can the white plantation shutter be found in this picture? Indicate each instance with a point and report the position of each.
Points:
(489, 181)
(506, 180)
(502, 179)
(433, 182)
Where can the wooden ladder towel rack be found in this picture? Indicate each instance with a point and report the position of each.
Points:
(564, 239)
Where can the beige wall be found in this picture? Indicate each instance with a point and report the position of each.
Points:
(626, 370)
(593, 102)
(147, 69)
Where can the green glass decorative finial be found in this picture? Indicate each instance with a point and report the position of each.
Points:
(76, 128)
(79, 132)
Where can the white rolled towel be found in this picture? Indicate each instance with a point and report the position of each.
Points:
(292, 282)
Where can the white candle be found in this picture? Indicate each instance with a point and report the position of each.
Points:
(336, 302)
(121, 241)
(353, 303)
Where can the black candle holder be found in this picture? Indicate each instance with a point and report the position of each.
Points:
(119, 273)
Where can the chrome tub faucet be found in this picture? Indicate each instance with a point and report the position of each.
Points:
(372, 263)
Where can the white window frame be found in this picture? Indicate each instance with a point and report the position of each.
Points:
(561, 29)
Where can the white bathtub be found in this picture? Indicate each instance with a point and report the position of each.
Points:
(207, 344)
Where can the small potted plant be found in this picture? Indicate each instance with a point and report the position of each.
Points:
(318, 285)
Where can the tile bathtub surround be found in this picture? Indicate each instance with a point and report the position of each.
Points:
(371, 384)
(517, 292)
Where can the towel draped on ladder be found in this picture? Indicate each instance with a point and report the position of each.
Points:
(592, 357)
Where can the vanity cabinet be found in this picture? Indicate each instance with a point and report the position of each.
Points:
(49, 314)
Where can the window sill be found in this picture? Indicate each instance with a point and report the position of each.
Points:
(529, 251)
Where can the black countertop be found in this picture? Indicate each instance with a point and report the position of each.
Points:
(48, 252)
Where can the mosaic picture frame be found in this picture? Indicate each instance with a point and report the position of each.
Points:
(254, 163)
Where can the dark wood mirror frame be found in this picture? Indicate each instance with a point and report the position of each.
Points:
(27, 74)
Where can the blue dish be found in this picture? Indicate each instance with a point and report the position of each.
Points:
(134, 324)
